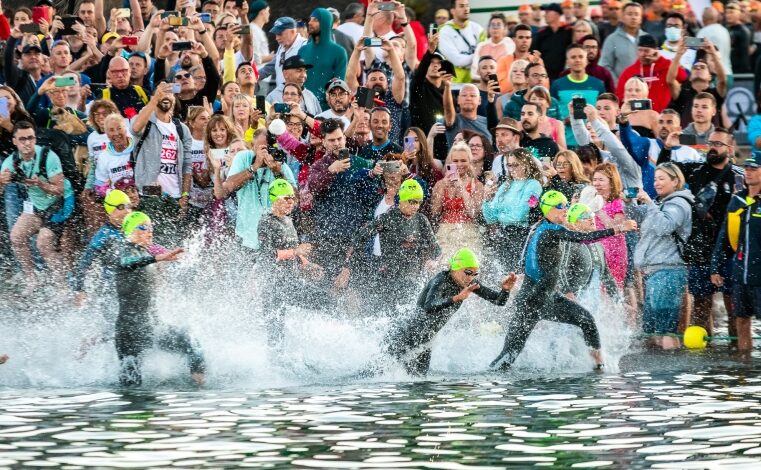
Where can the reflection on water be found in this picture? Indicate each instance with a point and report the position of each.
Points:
(659, 412)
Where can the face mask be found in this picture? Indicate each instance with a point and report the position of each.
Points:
(673, 34)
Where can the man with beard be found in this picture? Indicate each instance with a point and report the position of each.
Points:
(592, 47)
(649, 152)
(129, 99)
(701, 79)
(294, 71)
(712, 184)
(23, 77)
(468, 118)
(537, 143)
(327, 58)
(391, 92)
(426, 97)
(162, 162)
(653, 69)
(339, 97)
(381, 144)
(536, 75)
(507, 136)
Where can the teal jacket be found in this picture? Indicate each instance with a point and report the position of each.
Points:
(510, 205)
(328, 59)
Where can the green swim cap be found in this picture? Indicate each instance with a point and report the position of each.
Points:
(578, 212)
(411, 189)
(113, 199)
(133, 221)
(551, 199)
(463, 259)
(280, 188)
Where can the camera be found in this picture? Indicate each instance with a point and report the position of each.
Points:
(277, 153)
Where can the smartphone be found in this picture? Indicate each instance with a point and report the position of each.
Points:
(282, 108)
(640, 105)
(65, 81)
(739, 183)
(386, 6)
(688, 139)
(176, 88)
(205, 17)
(4, 111)
(693, 43)
(219, 155)
(97, 89)
(260, 104)
(452, 171)
(578, 105)
(493, 77)
(245, 29)
(30, 28)
(373, 42)
(390, 167)
(129, 40)
(40, 13)
(439, 119)
(409, 144)
(152, 191)
(123, 13)
(170, 13)
(631, 193)
(68, 25)
(546, 162)
(365, 98)
(433, 29)
(182, 46)
(343, 154)
(178, 20)
(447, 67)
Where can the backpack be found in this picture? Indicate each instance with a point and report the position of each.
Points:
(685, 248)
(58, 141)
(144, 135)
(60, 212)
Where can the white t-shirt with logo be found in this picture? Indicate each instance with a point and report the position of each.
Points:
(96, 145)
(169, 179)
(199, 197)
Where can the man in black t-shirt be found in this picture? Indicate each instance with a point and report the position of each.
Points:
(682, 94)
(739, 38)
(538, 144)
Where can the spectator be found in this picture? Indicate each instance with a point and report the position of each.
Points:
(129, 99)
(653, 69)
(507, 136)
(259, 15)
(657, 253)
(522, 42)
(703, 111)
(441, 17)
(468, 100)
(676, 31)
(607, 183)
(582, 29)
(482, 153)
(540, 145)
(536, 75)
(23, 77)
(43, 192)
(496, 46)
(458, 39)
(289, 44)
(549, 126)
(296, 71)
(739, 38)
(566, 174)
(552, 40)
(645, 121)
(610, 11)
(592, 47)
(719, 36)
(327, 58)
(342, 39)
(352, 19)
(381, 144)
(653, 21)
(700, 81)
(619, 50)
(487, 67)
(339, 102)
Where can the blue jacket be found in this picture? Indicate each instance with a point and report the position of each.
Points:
(510, 204)
(746, 268)
(754, 132)
(639, 149)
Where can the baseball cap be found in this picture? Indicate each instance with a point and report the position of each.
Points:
(255, 8)
(553, 7)
(283, 23)
(754, 161)
(525, 8)
(295, 62)
(30, 48)
(338, 83)
(109, 36)
(125, 183)
(509, 124)
(647, 40)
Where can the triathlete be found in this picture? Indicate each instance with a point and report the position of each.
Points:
(538, 298)
(137, 328)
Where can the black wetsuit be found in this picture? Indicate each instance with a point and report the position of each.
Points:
(283, 283)
(136, 326)
(581, 260)
(410, 342)
(406, 244)
(538, 298)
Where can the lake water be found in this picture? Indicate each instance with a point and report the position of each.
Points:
(61, 406)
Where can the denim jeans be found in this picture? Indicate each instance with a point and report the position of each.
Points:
(664, 290)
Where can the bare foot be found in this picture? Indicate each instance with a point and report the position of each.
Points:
(597, 357)
(4, 358)
(198, 378)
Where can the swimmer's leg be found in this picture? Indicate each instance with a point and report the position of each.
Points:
(418, 364)
(518, 329)
(177, 340)
(567, 311)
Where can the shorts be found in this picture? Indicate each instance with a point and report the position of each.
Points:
(664, 291)
(747, 301)
(699, 281)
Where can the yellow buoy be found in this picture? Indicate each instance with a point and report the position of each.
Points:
(695, 337)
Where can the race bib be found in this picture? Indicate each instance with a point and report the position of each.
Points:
(28, 207)
(169, 155)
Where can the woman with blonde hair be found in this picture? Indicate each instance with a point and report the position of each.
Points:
(455, 203)
(548, 126)
(508, 211)
(245, 116)
(567, 173)
(657, 253)
(645, 122)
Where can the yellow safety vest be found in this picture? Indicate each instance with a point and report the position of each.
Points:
(138, 89)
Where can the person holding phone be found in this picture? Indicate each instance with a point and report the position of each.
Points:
(497, 45)
(702, 73)
(488, 86)
(55, 88)
(23, 77)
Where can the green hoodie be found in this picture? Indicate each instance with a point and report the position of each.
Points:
(328, 59)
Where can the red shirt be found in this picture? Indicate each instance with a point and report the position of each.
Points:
(655, 77)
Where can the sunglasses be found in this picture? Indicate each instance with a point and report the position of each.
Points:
(561, 206)
(414, 202)
(181, 76)
(288, 198)
(470, 272)
(120, 207)
(144, 228)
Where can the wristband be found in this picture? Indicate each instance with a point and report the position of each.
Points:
(184, 194)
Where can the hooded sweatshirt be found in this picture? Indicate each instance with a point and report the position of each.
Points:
(328, 59)
(657, 247)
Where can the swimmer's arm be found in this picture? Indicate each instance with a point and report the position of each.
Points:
(135, 262)
(497, 298)
(572, 236)
(436, 300)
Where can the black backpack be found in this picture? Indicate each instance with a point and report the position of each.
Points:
(687, 248)
(59, 143)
